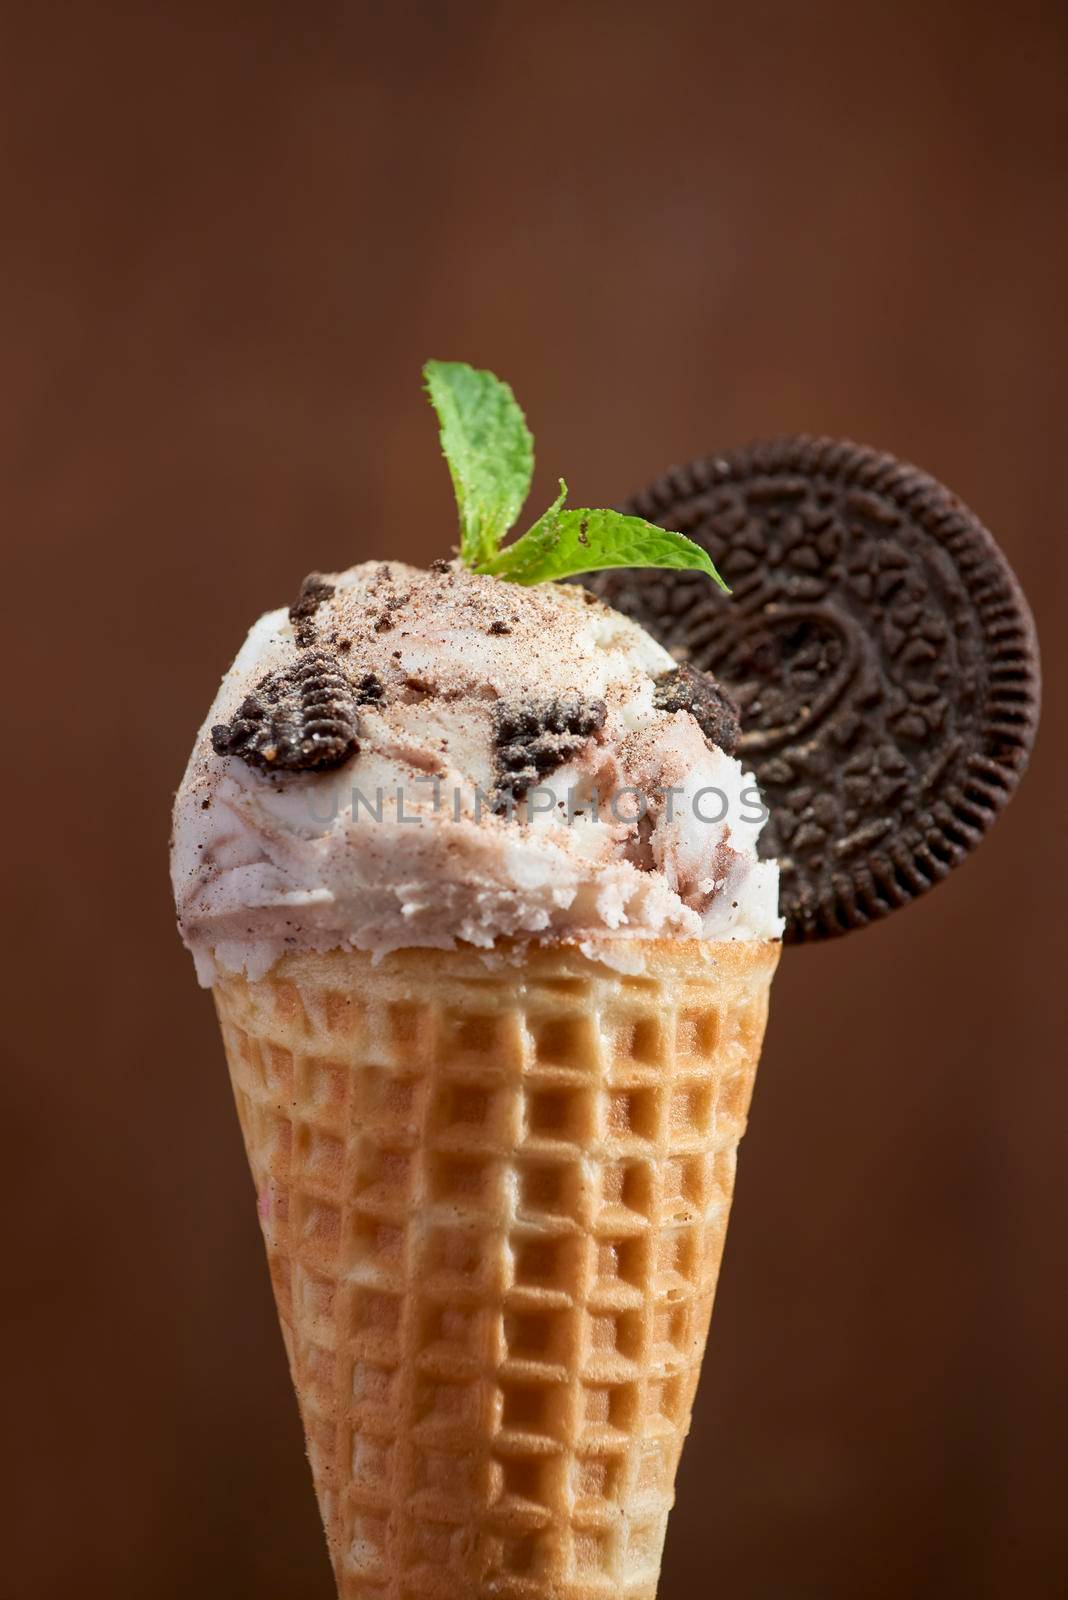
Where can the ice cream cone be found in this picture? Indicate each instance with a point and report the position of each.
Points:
(494, 1196)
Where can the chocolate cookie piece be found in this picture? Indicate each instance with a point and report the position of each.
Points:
(302, 720)
(313, 591)
(686, 689)
(533, 740)
(881, 653)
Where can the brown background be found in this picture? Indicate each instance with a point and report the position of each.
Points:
(231, 235)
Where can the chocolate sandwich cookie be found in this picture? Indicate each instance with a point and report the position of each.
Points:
(880, 651)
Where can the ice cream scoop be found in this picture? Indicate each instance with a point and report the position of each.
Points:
(438, 758)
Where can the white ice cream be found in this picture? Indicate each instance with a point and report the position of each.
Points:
(400, 846)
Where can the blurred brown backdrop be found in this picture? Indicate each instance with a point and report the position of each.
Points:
(232, 233)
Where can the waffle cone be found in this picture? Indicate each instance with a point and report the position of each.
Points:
(494, 1201)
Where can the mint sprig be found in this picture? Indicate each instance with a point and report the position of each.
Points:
(490, 454)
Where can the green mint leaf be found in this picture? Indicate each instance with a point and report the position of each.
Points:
(532, 549)
(563, 543)
(490, 453)
(489, 450)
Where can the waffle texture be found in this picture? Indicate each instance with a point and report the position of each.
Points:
(494, 1201)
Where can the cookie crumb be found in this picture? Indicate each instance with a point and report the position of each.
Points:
(313, 592)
